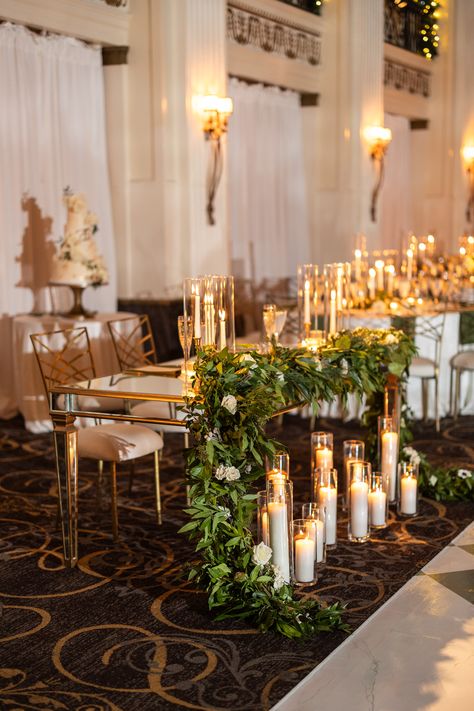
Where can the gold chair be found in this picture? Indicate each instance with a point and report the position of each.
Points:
(65, 357)
(134, 347)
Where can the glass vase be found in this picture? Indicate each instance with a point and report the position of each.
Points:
(262, 518)
(336, 295)
(322, 452)
(209, 302)
(303, 570)
(353, 450)
(358, 526)
(325, 495)
(280, 516)
(392, 402)
(314, 516)
(307, 281)
(278, 465)
(407, 489)
(378, 500)
(388, 453)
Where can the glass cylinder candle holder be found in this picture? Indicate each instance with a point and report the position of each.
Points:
(307, 300)
(314, 516)
(358, 526)
(335, 295)
(325, 495)
(388, 453)
(304, 553)
(408, 489)
(353, 450)
(322, 452)
(392, 402)
(378, 500)
(209, 302)
(278, 465)
(262, 518)
(280, 515)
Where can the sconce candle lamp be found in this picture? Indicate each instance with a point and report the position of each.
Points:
(378, 139)
(214, 112)
(468, 157)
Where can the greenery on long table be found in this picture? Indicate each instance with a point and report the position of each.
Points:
(236, 395)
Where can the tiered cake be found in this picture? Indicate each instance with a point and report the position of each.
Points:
(78, 261)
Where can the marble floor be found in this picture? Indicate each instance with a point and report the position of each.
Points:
(415, 653)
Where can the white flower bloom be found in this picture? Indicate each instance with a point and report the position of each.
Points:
(344, 367)
(390, 339)
(225, 511)
(230, 403)
(227, 473)
(433, 479)
(412, 455)
(212, 435)
(279, 579)
(248, 358)
(464, 474)
(261, 554)
(280, 377)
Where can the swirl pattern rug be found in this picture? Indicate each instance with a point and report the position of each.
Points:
(125, 631)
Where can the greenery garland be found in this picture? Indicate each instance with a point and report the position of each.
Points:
(236, 395)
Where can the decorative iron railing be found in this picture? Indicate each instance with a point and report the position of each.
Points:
(412, 25)
(313, 6)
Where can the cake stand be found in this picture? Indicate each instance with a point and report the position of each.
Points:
(77, 310)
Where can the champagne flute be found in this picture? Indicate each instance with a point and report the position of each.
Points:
(185, 333)
(280, 319)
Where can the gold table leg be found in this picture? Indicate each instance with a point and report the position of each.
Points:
(65, 443)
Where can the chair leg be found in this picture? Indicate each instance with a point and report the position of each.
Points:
(131, 475)
(424, 398)
(157, 486)
(457, 393)
(437, 422)
(113, 499)
(100, 483)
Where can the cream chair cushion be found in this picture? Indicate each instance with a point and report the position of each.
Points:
(117, 443)
(464, 360)
(153, 408)
(422, 368)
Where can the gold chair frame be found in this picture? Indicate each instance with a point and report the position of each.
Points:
(135, 347)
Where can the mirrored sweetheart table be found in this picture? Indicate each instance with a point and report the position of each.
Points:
(129, 387)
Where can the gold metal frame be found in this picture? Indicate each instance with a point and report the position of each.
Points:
(136, 346)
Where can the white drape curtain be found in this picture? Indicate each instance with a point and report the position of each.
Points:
(396, 203)
(267, 192)
(52, 135)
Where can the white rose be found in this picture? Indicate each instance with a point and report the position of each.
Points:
(464, 474)
(230, 403)
(261, 554)
(220, 471)
(279, 580)
(227, 473)
(390, 339)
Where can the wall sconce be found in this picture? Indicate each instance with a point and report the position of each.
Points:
(468, 156)
(378, 139)
(215, 112)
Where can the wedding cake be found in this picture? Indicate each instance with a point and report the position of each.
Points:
(78, 261)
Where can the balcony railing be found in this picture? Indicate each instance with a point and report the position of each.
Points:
(313, 6)
(410, 28)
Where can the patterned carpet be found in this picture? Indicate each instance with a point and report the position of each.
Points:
(125, 631)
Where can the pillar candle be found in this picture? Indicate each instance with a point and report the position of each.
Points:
(307, 309)
(332, 312)
(197, 313)
(212, 321)
(222, 337)
(355, 472)
(390, 278)
(389, 461)
(409, 264)
(357, 255)
(265, 527)
(304, 559)
(371, 283)
(379, 266)
(278, 527)
(328, 498)
(377, 507)
(324, 458)
(359, 508)
(408, 494)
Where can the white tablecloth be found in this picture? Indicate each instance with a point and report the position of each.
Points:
(27, 390)
(449, 346)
